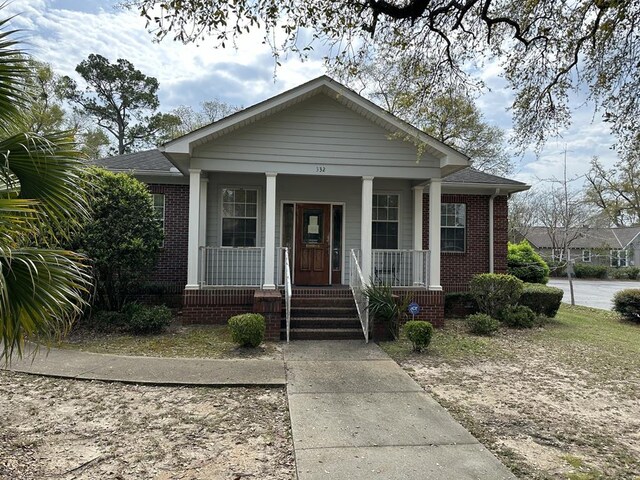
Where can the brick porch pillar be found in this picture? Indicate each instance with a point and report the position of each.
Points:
(268, 303)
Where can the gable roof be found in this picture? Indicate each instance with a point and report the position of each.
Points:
(179, 148)
(586, 237)
(470, 177)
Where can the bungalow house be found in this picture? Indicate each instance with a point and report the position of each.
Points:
(291, 206)
(609, 246)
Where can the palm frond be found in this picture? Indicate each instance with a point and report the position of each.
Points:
(14, 72)
(41, 293)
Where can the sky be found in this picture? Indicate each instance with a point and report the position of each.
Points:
(64, 32)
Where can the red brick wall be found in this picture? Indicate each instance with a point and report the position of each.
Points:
(431, 305)
(456, 269)
(215, 306)
(171, 267)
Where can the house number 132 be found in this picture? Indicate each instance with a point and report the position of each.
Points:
(320, 169)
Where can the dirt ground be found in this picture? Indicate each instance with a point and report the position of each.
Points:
(549, 405)
(65, 429)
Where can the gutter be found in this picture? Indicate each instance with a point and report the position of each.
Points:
(491, 233)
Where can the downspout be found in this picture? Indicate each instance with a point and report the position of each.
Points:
(491, 236)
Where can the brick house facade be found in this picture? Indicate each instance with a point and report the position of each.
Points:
(320, 173)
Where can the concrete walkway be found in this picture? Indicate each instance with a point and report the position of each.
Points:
(355, 414)
(152, 370)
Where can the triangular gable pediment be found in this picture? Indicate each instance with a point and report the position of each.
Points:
(449, 158)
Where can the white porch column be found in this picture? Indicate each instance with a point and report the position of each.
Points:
(365, 227)
(435, 193)
(194, 229)
(418, 273)
(270, 232)
(202, 240)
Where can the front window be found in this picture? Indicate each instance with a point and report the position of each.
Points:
(586, 256)
(239, 217)
(618, 258)
(384, 227)
(158, 208)
(453, 217)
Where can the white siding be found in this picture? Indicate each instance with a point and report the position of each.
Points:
(317, 132)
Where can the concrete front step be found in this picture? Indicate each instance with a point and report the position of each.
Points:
(326, 334)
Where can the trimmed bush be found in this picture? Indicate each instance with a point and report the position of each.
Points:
(583, 270)
(627, 304)
(518, 316)
(142, 319)
(247, 329)
(459, 303)
(524, 263)
(482, 324)
(624, 273)
(541, 299)
(419, 334)
(494, 291)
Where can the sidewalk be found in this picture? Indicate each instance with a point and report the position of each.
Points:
(355, 414)
(152, 370)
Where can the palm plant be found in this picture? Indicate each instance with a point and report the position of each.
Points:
(43, 287)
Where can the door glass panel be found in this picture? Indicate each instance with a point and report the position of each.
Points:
(287, 227)
(336, 253)
(312, 223)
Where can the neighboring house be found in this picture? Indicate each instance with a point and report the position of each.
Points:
(336, 181)
(614, 247)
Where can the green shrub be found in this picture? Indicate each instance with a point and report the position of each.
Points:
(624, 273)
(627, 303)
(583, 270)
(541, 299)
(122, 238)
(482, 324)
(419, 334)
(524, 263)
(106, 321)
(494, 291)
(518, 316)
(459, 302)
(386, 307)
(247, 329)
(143, 319)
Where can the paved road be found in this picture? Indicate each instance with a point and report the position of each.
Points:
(593, 293)
(356, 415)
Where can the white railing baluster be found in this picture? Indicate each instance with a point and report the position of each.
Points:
(358, 284)
(232, 266)
(400, 268)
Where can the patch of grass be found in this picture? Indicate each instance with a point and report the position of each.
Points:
(188, 341)
(449, 343)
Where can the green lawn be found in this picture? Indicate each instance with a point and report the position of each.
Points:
(189, 341)
(557, 402)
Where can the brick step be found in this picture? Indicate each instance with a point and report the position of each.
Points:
(323, 322)
(321, 292)
(333, 312)
(322, 302)
(325, 334)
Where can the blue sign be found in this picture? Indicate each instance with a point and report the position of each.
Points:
(414, 308)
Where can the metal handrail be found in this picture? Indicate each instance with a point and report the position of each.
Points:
(357, 285)
(287, 290)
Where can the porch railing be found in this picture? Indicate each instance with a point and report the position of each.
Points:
(358, 284)
(287, 291)
(231, 266)
(400, 268)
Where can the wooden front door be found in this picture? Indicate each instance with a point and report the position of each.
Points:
(313, 240)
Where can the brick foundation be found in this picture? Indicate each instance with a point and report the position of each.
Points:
(431, 304)
(214, 307)
(269, 304)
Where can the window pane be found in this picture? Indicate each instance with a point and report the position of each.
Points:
(393, 200)
(393, 214)
(251, 196)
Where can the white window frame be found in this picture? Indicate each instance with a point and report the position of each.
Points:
(587, 258)
(463, 228)
(156, 211)
(397, 221)
(616, 256)
(257, 217)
